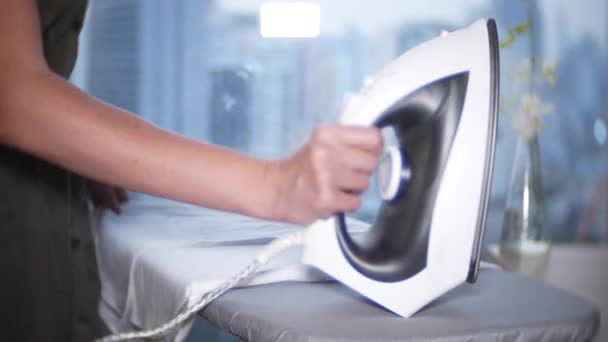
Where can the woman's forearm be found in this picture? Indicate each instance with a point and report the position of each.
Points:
(45, 116)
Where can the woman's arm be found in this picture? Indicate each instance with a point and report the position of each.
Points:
(44, 115)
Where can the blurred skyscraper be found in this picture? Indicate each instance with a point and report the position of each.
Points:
(190, 67)
(229, 108)
(141, 54)
(113, 40)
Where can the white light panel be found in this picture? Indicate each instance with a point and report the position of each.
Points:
(290, 20)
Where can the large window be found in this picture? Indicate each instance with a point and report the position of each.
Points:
(202, 68)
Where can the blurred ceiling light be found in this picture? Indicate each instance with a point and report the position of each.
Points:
(290, 20)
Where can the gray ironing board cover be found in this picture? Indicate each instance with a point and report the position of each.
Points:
(501, 306)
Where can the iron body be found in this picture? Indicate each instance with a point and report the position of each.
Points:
(439, 100)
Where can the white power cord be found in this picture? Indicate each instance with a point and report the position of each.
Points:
(262, 258)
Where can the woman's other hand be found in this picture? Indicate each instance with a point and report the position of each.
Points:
(106, 196)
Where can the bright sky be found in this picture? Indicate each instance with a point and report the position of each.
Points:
(575, 18)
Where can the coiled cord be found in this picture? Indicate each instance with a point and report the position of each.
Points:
(262, 258)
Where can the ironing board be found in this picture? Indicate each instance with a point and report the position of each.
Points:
(502, 306)
(156, 258)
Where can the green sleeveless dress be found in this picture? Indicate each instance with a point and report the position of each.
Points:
(49, 283)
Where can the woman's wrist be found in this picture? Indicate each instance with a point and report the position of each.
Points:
(276, 185)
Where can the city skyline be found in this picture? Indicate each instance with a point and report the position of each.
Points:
(200, 68)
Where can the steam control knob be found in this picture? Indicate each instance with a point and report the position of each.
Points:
(393, 173)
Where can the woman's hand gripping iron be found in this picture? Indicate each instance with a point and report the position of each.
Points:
(439, 101)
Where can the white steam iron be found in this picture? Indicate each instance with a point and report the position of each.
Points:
(440, 102)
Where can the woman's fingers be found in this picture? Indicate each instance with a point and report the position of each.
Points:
(121, 195)
(328, 174)
(362, 138)
(358, 160)
(106, 196)
(346, 202)
(352, 182)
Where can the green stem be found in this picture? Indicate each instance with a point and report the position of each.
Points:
(537, 181)
(532, 33)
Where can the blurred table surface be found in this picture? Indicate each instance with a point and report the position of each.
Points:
(580, 269)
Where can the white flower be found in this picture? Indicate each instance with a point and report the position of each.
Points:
(527, 120)
(548, 72)
(523, 70)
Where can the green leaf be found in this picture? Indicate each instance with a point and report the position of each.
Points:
(521, 28)
(510, 40)
(549, 74)
(515, 31)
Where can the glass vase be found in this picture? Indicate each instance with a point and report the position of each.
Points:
(524, 237)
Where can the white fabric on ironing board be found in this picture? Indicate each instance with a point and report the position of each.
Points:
(160, 256)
